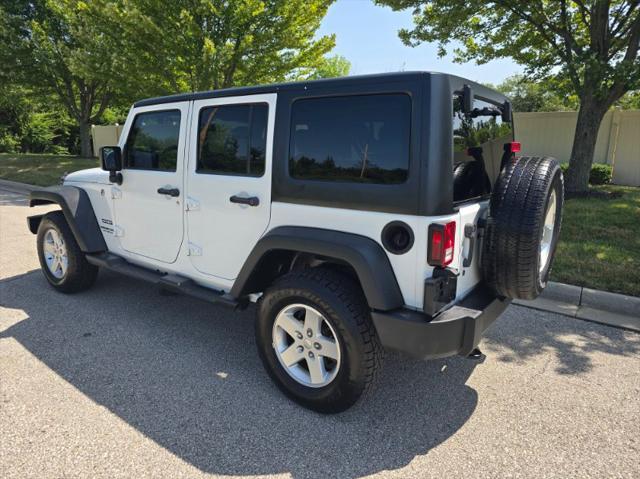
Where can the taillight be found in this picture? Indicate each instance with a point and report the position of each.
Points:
(442, 238)
(514, 147)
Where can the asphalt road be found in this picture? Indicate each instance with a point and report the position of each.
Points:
(122, 382)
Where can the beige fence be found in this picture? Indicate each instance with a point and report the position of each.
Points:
(618, 144)
(105, 135)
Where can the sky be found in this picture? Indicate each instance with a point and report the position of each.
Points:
(367, 35)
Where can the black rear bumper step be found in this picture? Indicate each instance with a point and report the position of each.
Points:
(169, 282)
(456, 330)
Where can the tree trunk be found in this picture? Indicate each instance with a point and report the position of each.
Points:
(584, 144)
(85, 138)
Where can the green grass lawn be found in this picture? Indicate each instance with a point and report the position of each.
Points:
(41, 170)
(600, 242)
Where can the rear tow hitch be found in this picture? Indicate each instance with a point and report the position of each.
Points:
(476, 355)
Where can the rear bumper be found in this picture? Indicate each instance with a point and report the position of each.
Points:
(457, 330)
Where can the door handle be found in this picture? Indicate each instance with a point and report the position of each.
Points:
(169, 191)
(251, 200)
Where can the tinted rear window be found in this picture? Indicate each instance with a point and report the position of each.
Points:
(362, 139)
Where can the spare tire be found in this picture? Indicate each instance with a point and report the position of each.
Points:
(523, 227)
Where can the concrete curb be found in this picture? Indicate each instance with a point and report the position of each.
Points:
(617, 303)
(612, 309)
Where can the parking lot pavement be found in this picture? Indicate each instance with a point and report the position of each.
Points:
(122, 382)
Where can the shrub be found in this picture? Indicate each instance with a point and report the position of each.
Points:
(564, 167)
(39, 133)
(33, 124)
(599, 175)
(8, 142)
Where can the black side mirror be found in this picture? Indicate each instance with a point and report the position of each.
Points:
(507, 115)
(111, 159)
(467, 100)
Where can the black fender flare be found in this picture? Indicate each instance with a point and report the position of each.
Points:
(363, 254)
(77, 210)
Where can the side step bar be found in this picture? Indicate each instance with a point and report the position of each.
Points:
(169, 282)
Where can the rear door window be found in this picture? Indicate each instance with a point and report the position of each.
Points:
(362, 139)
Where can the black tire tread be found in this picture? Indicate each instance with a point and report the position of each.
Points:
(510, 257)
(350, 294)
(341, 297)
(469, 180)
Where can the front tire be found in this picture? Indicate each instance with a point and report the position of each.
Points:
(316, 339)
(63, 263)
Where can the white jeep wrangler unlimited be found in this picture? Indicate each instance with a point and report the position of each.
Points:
(360, 213)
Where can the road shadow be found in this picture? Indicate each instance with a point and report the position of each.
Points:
(571, 341)
(187, 375)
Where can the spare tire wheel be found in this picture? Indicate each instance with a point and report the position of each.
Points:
(523, 227)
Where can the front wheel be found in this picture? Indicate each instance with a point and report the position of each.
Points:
(61, 259)
(316, 339)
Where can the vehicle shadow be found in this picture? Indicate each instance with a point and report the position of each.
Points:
(187, 375)
(573, 342)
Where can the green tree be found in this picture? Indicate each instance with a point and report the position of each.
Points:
(52, 47)
(99, 53)
(631, 101)
(194, 45)
(591, 46)
(529, 95)
(332, 67)
(547, 95)
(33, 123)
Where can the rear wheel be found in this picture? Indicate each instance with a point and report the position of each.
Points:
(523, 227)
(62, 262)
(316, 339)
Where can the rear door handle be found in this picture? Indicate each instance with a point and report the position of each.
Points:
(169, 191)
(251, 200)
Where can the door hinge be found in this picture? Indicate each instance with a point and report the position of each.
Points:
(192, 204)
(118, 231)
(194, 250)
(116, 193)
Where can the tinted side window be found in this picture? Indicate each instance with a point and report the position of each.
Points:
(232, 139)
(363, 139)
(153, 141)
(478, 140)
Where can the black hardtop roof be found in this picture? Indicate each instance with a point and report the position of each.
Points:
(304, 85)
